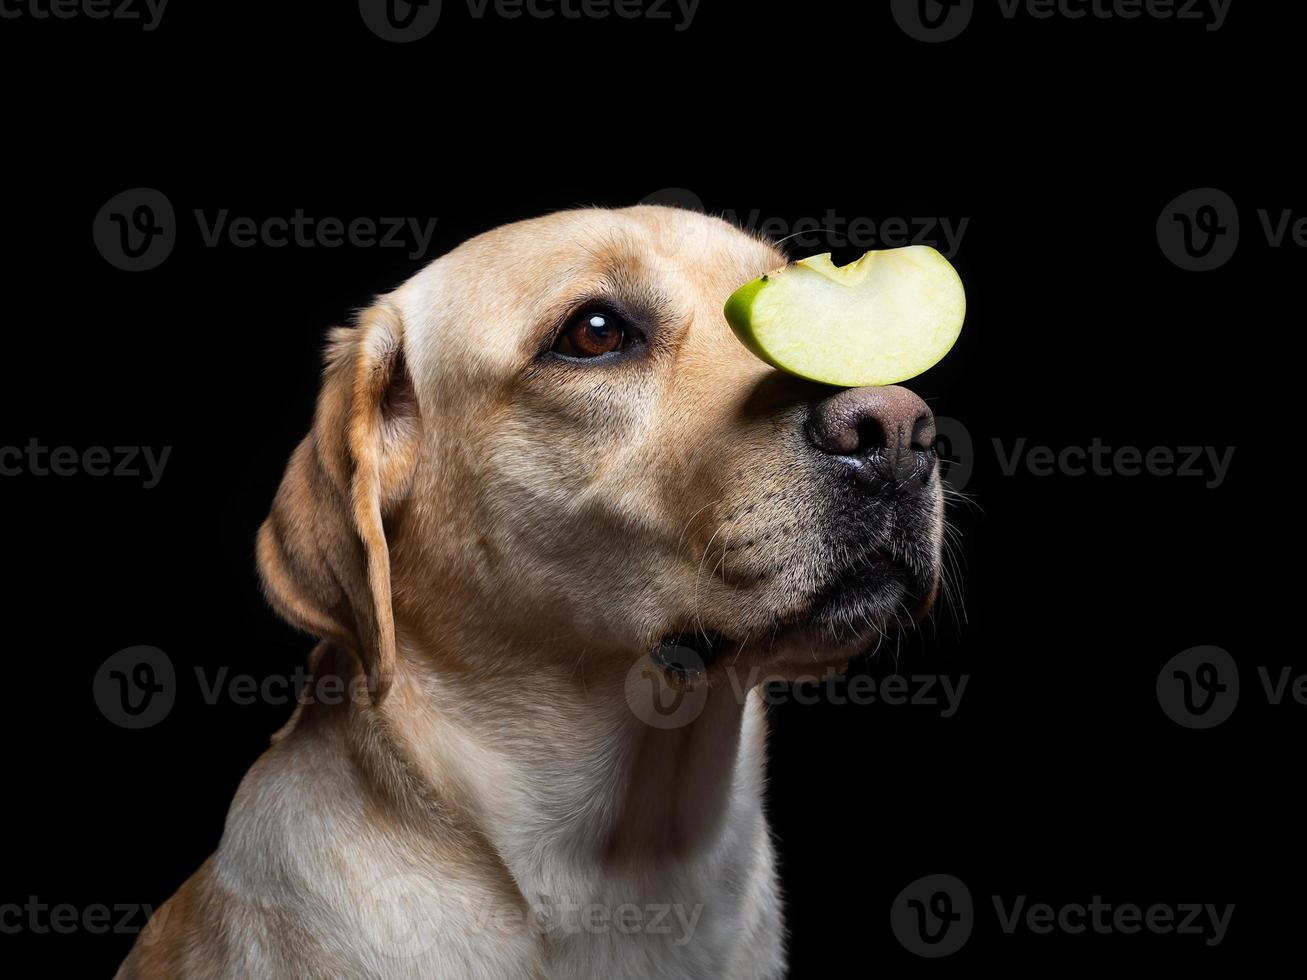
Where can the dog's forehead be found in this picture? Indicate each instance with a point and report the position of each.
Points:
(480, 298)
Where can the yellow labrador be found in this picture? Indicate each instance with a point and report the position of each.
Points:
(538, 466)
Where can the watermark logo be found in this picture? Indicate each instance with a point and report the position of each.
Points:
(400, 21)
(667, 689)
(136, 687)
(670, 688)
(1199, 688)
(403, 913)
(956, 450)
(1199, 230)
(406, 913)
(933, 916)
(933, 21)
(136, 230)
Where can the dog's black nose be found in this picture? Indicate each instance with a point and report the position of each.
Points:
(889, 433)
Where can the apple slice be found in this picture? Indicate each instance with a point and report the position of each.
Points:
(883, 319)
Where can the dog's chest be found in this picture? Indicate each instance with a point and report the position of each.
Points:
(690, 923)
(706, 920)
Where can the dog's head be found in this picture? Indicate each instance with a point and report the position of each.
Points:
(551, 437)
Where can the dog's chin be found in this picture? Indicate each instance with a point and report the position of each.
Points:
(848, 616)
(870, 598)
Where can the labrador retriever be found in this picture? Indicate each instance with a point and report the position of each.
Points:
(544, 484)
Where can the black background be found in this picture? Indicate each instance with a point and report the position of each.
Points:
(1059, 777)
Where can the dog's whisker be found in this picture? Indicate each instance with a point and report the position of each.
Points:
(681, 537)
(729, 521)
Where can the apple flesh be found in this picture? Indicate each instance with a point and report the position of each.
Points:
(880, 320)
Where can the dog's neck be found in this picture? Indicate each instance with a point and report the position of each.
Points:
(563, 779)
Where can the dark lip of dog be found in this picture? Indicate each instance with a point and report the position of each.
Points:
(880, 562)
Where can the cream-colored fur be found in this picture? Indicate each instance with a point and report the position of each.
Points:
(487, 539)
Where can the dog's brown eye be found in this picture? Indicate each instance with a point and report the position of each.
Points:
(591, 334)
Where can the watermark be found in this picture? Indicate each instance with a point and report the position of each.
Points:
(679, 13)
(138, 687)
(146, 13)
(670, 688)
(65, 918)
(956, 450)
(405, 21)
(562, 917)
(1208, 463)
(667, 689)
(138, 229)
(831, 229)
(409, 912)
(1199, 231)
(934, 916)
(933, 21)
(940, 693)
(1199, 688)
(1205, 920)
(400, 21)
(35, 459)
(305, 231)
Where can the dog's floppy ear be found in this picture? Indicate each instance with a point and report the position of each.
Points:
(322, 552)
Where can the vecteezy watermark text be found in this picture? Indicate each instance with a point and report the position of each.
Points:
(833, 230)
(138, 229)
(305, 231)
(412, 910)
(144, 463)
(665, 699)
(1099, 459)
(830, 230)
(942, 20)
(679, 12)
(406, 21)
(137, 688)
(147, 13)
(64, 918)
(935, 915)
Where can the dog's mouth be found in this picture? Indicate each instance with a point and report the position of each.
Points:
(848, 614)
(877, 591)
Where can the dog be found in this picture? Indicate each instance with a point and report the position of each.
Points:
(543, 479)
